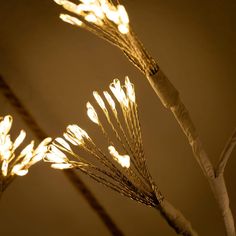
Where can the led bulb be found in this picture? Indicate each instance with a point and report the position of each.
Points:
(123, 160)
(130, 89)
(5, 125)
(123, 14)
(19, 139)
(118, 92)
(99, 100)
(110, 100)
(124, 29)
(92, 114)
(4, 167)
(91, 18)
(71, 20)
(18, 170)
(62, 166)
(63, 143)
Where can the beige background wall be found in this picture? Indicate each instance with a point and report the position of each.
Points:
(53, 68)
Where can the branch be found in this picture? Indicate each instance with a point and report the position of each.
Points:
(134, 50)
(169, 96)
(175, 219)
(225, 155)
(220, 193)
(70, 174)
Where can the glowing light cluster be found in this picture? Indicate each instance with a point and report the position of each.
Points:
(123, 160)
(57, 157)
(121, 164)
(124, 97)
(75, 136)
(98, 12)
(12, 164)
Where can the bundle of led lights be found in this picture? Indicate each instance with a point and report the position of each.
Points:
(121, 167)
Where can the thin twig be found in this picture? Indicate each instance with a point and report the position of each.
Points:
(225, 155)
(70, 174)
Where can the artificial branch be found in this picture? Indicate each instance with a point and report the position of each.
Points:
(216, 180)
(111, 23)
(125, 173)
(70, 174)
(225, 155)
(175, 219)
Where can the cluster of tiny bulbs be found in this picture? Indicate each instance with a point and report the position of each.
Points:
(110, 22)
(12, 161)
(121, 166)
(99, 13)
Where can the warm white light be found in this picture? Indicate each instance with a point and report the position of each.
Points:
(70, 6)
(110, 100)
(4, 167)
(53, 157)
(60, 2)
(97, 12)
(28, 149)
(123, 160)
(130, 89)
(88, 1)
(74, 131)
(63, 143)
(77, 133)
(10, 162)
(38, 157)
(118, 92)
(19, 139)
(91, 18)
(5, 125)
(72, 139)
(92, 114)
(62, 166)
(71, 20)
(19, 170)
(58, 153)
(99, 100)
(113, 16)
(123, 14)
(123, 28)
(42, 147)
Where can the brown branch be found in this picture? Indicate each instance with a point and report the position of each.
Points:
(220, 193)
(225, 155)
(70, 174)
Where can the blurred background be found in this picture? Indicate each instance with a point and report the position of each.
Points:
(54, 67)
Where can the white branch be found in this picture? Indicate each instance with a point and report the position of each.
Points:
(225, 155)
